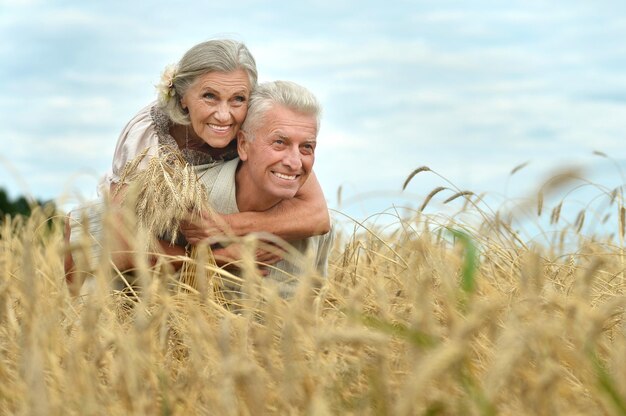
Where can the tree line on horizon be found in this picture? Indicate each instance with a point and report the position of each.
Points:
(18, 206)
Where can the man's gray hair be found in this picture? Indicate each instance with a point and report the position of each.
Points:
(219, 55)
(285, 93)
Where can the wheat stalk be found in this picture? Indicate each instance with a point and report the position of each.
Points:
(161, 196)
(458, 195)
(430, 196)
(412, 174)
(518, 168)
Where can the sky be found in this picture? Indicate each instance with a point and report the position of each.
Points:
(469, 89)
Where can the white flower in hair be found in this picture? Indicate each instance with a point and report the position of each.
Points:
(165, 87)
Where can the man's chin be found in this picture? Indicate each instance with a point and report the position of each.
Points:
(286, 194)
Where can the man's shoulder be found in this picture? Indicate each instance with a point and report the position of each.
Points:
(219, 180)
(210, 172)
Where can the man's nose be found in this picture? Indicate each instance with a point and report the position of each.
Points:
(292, 158)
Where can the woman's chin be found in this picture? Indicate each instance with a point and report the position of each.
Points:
(218, 142)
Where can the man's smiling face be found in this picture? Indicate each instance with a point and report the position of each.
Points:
(280, 157)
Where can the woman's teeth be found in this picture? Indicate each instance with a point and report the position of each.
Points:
(219, 128)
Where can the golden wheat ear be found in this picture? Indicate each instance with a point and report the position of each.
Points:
(161, 195)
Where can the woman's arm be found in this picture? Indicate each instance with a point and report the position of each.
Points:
(292, 219)
(121, 254)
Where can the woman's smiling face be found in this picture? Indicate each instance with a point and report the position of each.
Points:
(217, 103)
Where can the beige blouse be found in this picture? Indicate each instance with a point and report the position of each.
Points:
(149, 129)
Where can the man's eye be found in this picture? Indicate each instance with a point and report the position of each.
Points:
(279, 144)
(308, 149)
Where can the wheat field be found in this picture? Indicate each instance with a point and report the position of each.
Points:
(431, 315)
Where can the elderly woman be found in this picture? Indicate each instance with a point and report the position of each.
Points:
(202, 103)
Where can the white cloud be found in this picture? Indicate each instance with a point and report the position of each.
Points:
(68, 17)
(20, 3)
(470, 90)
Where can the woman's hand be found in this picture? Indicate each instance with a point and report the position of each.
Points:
(205, 226)
(231, 255)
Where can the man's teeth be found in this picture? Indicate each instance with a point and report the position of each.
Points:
(283, 176)
(220, 128)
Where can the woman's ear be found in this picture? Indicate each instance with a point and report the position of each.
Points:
(242, 145)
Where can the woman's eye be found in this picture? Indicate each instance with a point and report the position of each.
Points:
(209, 95)
(240, 99)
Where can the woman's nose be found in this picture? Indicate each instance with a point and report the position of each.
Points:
(222, 113)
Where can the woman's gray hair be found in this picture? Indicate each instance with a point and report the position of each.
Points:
(219, 55)
(286, 93)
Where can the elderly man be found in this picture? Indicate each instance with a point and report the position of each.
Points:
(276, 147)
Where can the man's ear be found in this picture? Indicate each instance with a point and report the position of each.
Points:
(242, 145)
